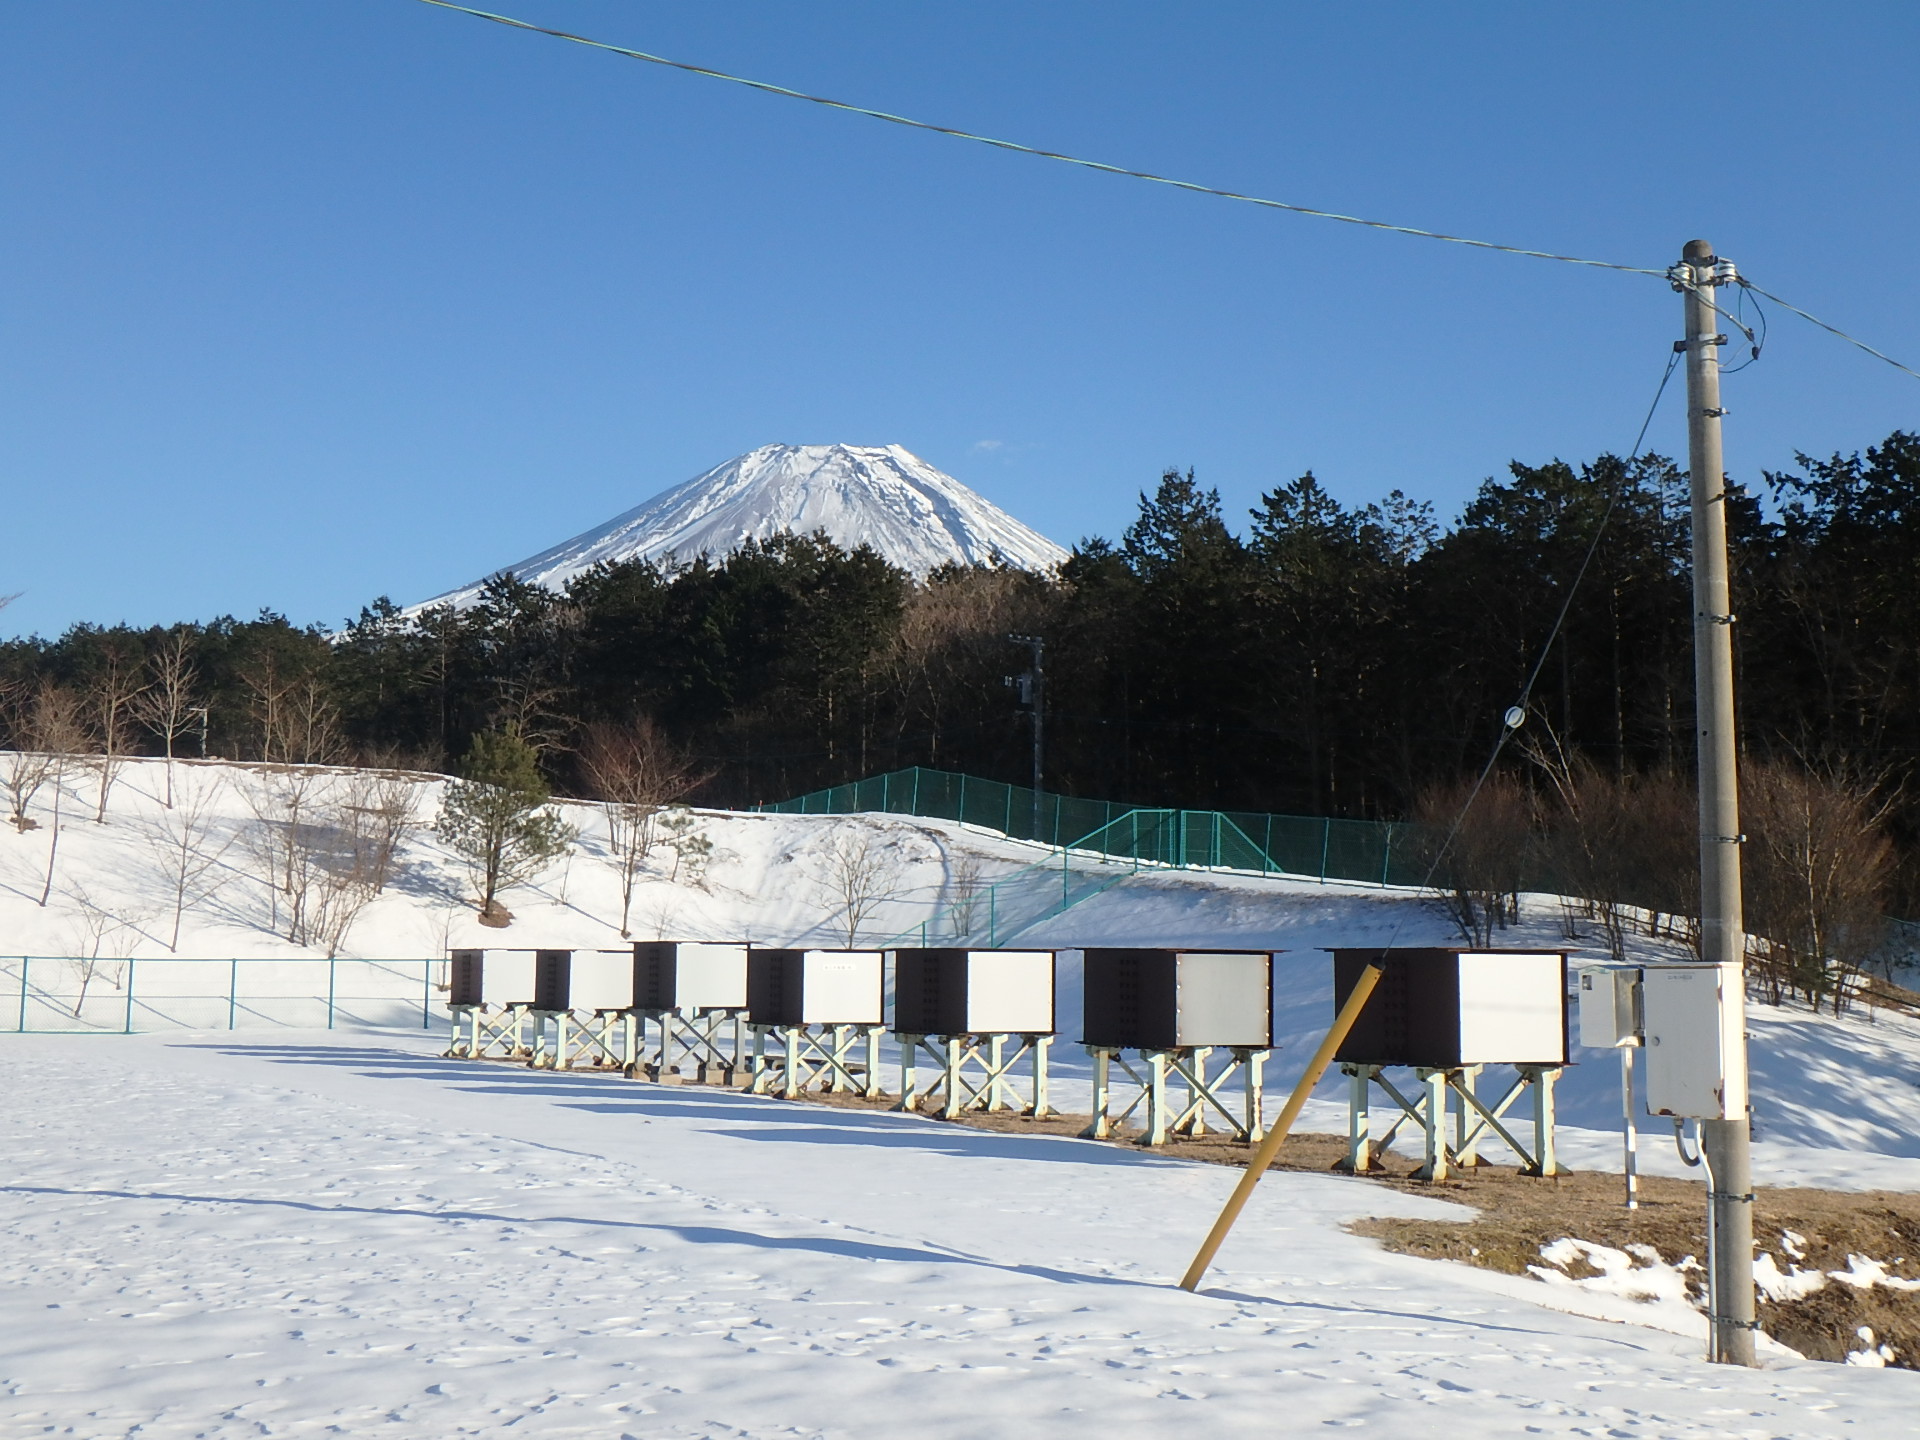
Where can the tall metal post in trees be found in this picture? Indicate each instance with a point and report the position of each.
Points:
(1726, 1142)
(1032, 688)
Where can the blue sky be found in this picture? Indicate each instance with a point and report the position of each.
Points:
(305, 303)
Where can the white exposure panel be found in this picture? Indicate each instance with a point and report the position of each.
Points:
(1687, 1029)
(841, 987)
(601, 980)
(1224, 999)
(1512, 1009)
(711, 977)
(506, 977)
(1010, 992)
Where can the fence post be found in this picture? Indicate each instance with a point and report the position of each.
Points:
(1386, 857)
(132, 967)
(233, 991)
(426, 996)
(330, 969)
(25, 961)
(916, 790)
(1326, 844)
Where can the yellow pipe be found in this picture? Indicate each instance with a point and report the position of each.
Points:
(1296, 1102)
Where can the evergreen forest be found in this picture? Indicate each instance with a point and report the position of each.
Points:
(1309, 658)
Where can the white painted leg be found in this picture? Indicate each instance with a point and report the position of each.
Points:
(1255, 1077)
(790, 1082)
(1197, 1088)
(996, 1060)
(1631, 1131)
(1433, 1114)
(1156, 1098)
(1097, 1127)
(1466, 1153)
(1545, 1161)
(1042, 1106)
(909, 1087)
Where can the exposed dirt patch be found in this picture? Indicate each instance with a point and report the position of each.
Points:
(1803, 1232)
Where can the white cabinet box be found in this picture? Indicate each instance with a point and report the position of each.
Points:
(1694, 1016)
(1176, 999)
(492, 977)
(689, 976)
(1442, 1008)
(973, 992)
(815, 987)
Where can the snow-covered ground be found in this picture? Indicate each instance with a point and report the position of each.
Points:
(286, 1235)
(287, 1232)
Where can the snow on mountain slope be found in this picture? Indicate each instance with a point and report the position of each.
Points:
(916, 516)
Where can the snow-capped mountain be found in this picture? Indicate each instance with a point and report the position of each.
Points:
(916, 516)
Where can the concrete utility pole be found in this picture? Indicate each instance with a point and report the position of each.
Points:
(1725, 1142)
(1032, 688)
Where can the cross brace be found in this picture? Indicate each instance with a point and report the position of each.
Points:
(1187, 1066)
(481, 1033)
(563, 1039)
(710, 1045)
(957, 1089)
(1473, 1118)
(790, 1059)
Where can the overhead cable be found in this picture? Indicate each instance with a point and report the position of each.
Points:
(1193, 186)
(1830, 329)
(891, 119)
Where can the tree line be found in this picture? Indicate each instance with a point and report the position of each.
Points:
(1312, 657)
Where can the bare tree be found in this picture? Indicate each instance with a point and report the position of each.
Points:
(295, 720)
(1816, 872)
(636, 772)
(166, 706)
(103, 931)
(58, 731)
(324, 846)
(182, 842)
(965, 885)
(28, 765)
(860, 871)
(1479, 857)
(111, 699)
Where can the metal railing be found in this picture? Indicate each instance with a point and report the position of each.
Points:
(68, 995)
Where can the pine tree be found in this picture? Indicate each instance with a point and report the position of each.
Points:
(497, 819)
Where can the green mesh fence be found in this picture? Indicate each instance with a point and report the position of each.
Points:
(1373, 851)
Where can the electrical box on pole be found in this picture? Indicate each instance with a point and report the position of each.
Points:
(1609, 1007)
(1693, 1052)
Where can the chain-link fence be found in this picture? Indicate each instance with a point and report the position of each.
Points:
(1372, 851)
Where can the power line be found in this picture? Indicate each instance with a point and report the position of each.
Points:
(1830, 329)
(1198, 189)
(911, 124)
